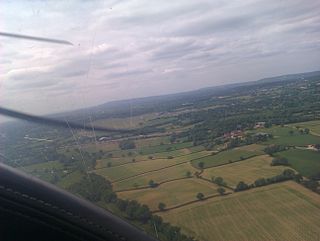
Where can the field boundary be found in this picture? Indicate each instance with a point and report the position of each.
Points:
(160, 158)
(162, 168)
(148, 187)
(190, 202)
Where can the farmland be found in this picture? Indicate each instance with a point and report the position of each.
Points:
(289, 136)
(307, 162)
(229, 156)
(226, 165)
(160, 176)
(132, 169)
(248, 170)
(270, 213)
(314, 126)
(171, 193)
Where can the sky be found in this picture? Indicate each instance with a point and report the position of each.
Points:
(128, 49)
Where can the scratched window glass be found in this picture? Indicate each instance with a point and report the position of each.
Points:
(192, 120)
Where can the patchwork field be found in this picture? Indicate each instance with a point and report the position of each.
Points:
(229, 156)
(171, 193)
(285, 211)
(306, 162)
(171, 173)
(247, 171)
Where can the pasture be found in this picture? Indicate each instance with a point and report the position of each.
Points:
(171, 193)
(285, 211)
(306, 162)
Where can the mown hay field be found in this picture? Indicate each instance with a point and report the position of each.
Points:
(136, 168)
(285, 211)
(247, 171)
(160, 176)
(171, 193)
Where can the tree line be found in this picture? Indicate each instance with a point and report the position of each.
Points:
(96, 188)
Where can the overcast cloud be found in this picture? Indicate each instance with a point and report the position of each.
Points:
(127, 49)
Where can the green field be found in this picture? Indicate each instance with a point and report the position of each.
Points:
(247, 171)
(171, 193)
(306, 162)
(229, 156)
(282, 136)
(285, 211)
(157, 176)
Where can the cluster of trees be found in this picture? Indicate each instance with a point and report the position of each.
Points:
(127, 144)
(271, 149)
(279, 161)
(134, 210)
(304, 131)
(96, 188)
(287, 174)
(312, 183)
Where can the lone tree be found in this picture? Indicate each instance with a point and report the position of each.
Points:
(162, 206)
(152, 183)
(188, 174)
(221, 190)
(218, 180)
(307, 130)
(109, 164)
(201, 165)
(200, 196)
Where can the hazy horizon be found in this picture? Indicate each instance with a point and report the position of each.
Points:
(132, 49)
